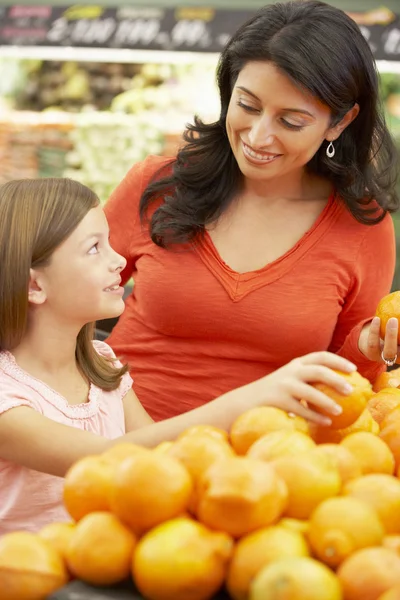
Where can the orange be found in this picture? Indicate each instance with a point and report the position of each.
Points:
(181, 559)
(256, 422)
(163, 447)
(387, 379)
(258, 549)
(390, 433)
(239, 495)
(87, 486)
(150, 488)
(369, 573)
(352, 404)
(298, 578)
(382, 493)
(280, 443)
(100, 550)
(346, 463)
(392, 542)
(295, 525)
(388, 307)
(371, 452)
(382, 403)
(326, 435)
(116, 454)
(30, 569)
(310, 478)
(339, 526)
(392, 594)
(210, 430)
(198, 452)
(58, 535)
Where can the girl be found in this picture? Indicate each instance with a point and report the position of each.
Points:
(63, 396)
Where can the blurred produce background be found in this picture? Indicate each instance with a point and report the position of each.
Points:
(64, 115)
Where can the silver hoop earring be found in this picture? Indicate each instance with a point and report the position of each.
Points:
(330, 151)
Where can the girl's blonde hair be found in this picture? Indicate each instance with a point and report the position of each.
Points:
(36, 216)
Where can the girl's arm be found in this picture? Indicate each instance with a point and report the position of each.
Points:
(32, 440)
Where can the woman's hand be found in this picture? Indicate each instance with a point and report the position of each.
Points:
(371, 345)
(291, 384)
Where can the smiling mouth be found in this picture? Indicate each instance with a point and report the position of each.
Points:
(264, 157)
(112, 288)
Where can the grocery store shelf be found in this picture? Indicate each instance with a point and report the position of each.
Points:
(132, 56)
(119, 55)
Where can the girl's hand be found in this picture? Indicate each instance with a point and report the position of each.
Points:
(286, 387)
(371, 345)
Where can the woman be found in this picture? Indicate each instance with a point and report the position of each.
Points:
(268, 236)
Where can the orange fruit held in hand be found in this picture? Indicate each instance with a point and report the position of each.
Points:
(58, 535)
(256, 422)
(150, 488)
(280, 443)
(340, 526)
(257, 550)
(369, 573)
(100, 550)
(181, 559)
(239, 495)
(388, 307)
(346, 463)
(198, 452)
(296, 578)
(352, 404)
(310, 478)
(30, 569)
(390, 433)
(87, 486)
(387, 379)
(327, 435)
(382, 493)
(383, 402)
(373, 455)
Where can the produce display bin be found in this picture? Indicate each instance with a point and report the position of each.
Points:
(80, 591)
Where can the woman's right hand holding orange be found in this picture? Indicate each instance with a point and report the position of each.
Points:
(288, 386)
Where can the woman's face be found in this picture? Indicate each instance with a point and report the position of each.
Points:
(274, 128)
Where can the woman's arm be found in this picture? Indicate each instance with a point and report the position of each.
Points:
(373, 275)
(122, 210)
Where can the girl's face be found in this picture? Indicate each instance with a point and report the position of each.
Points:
(274, 128)
(82, 282)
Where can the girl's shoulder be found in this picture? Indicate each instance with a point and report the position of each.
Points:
(16, 387)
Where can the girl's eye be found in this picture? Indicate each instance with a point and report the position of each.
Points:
(246, 107)
(291, 126)
(94, 249)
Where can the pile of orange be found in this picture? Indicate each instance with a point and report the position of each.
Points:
(275, 510)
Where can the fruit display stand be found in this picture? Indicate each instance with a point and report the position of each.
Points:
(277, 507)
(81, 591)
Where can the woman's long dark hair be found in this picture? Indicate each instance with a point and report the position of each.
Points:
(321, 49)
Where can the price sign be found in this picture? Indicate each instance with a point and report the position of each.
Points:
(131, 27)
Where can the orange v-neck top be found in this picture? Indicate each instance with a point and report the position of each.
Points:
(193, 328)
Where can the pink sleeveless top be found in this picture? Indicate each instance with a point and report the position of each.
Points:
(29, 499)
